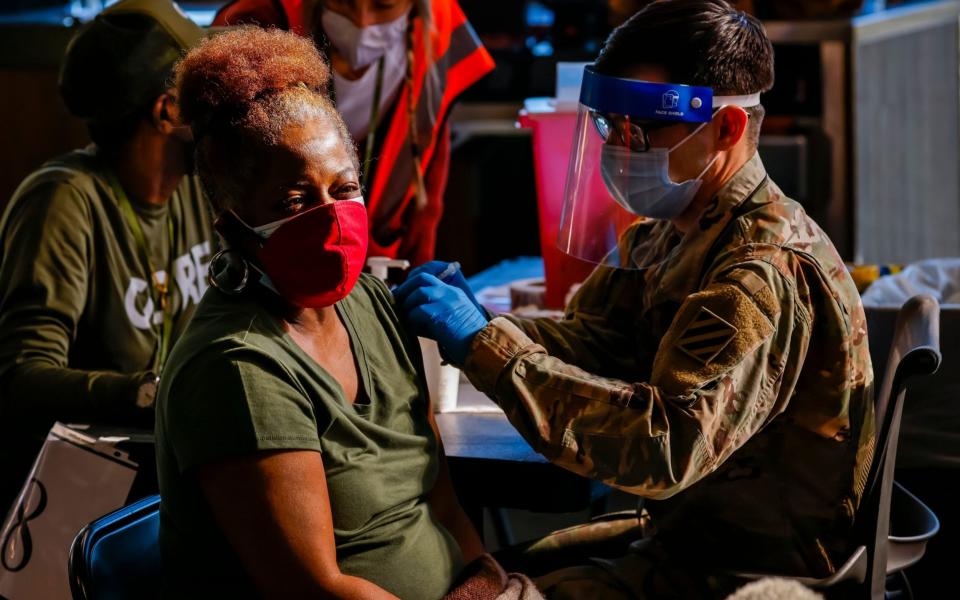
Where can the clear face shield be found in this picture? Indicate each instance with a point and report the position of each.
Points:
(615, 178)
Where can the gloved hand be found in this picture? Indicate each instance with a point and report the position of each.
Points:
(442, 312)
(457, 280)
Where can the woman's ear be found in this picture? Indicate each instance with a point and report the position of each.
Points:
(732, 125)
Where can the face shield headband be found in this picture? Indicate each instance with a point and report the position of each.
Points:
(651, 101)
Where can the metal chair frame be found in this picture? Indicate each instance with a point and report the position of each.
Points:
(914, 352)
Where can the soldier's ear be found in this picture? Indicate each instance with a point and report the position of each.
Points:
(731, 125)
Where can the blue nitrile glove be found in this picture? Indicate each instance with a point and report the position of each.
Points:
(441, 312)
(456, 279)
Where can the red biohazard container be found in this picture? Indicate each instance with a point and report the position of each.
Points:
(552, 127)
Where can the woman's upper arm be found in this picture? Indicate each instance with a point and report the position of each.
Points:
(235, 423)
(250, 438)
(274, 510)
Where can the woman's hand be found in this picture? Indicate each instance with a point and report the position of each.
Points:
(274, 509)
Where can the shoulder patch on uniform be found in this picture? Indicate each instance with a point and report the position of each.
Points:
(757, 288)
(706, 336)
(748, 280)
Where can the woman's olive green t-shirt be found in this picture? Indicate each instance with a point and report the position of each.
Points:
(237, 384)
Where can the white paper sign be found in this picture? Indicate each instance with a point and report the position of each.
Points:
(75, 480)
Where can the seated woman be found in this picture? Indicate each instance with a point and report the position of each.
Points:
(297, 453)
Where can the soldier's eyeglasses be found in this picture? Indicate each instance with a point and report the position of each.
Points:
(630, 133)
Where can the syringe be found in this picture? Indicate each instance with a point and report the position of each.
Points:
(449, 272)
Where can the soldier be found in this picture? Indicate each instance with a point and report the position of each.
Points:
(716, 360)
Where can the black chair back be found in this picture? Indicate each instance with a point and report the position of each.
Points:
(914, 351)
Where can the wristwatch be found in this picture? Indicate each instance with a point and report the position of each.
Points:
(147, 391)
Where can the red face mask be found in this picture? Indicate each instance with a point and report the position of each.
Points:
(314, 258)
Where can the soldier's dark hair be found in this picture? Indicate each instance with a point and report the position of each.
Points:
(697, 42)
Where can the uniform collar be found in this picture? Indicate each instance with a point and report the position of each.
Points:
(682, 264)
(743, 183)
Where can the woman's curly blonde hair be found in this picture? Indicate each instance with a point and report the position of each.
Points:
(238, 90)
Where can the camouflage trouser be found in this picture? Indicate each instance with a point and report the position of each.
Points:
(646, 572)
(606, 537)
(613, 558)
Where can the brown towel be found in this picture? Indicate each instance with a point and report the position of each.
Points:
(485, 579)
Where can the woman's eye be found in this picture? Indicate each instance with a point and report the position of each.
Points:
(350, 190)
(292, 203)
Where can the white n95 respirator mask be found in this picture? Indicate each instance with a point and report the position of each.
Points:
(363, 46)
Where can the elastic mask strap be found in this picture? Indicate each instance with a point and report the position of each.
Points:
(709, 164)
(264, 231)
(253, 230)
(727, 103)
(738, 101)
(684, 140)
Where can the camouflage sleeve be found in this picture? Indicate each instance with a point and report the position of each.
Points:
(593, 333)
(715, 380)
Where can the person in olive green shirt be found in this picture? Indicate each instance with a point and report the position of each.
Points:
(103, 251)
(240, 385)
(297, 452)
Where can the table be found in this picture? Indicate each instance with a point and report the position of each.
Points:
(493, 466)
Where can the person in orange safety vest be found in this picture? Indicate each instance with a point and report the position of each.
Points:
(397, 71)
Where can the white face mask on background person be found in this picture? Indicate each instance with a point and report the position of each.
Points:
(362, 46)
(640, 181)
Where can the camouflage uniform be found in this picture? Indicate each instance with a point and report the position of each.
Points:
(729, 379)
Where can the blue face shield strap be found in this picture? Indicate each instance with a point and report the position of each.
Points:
(654, 101)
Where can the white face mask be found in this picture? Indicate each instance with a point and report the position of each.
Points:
(640, 181)
(362, 46)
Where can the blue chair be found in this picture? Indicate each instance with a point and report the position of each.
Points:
(117, 557)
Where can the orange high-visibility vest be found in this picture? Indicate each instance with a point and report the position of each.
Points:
(457, 61)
